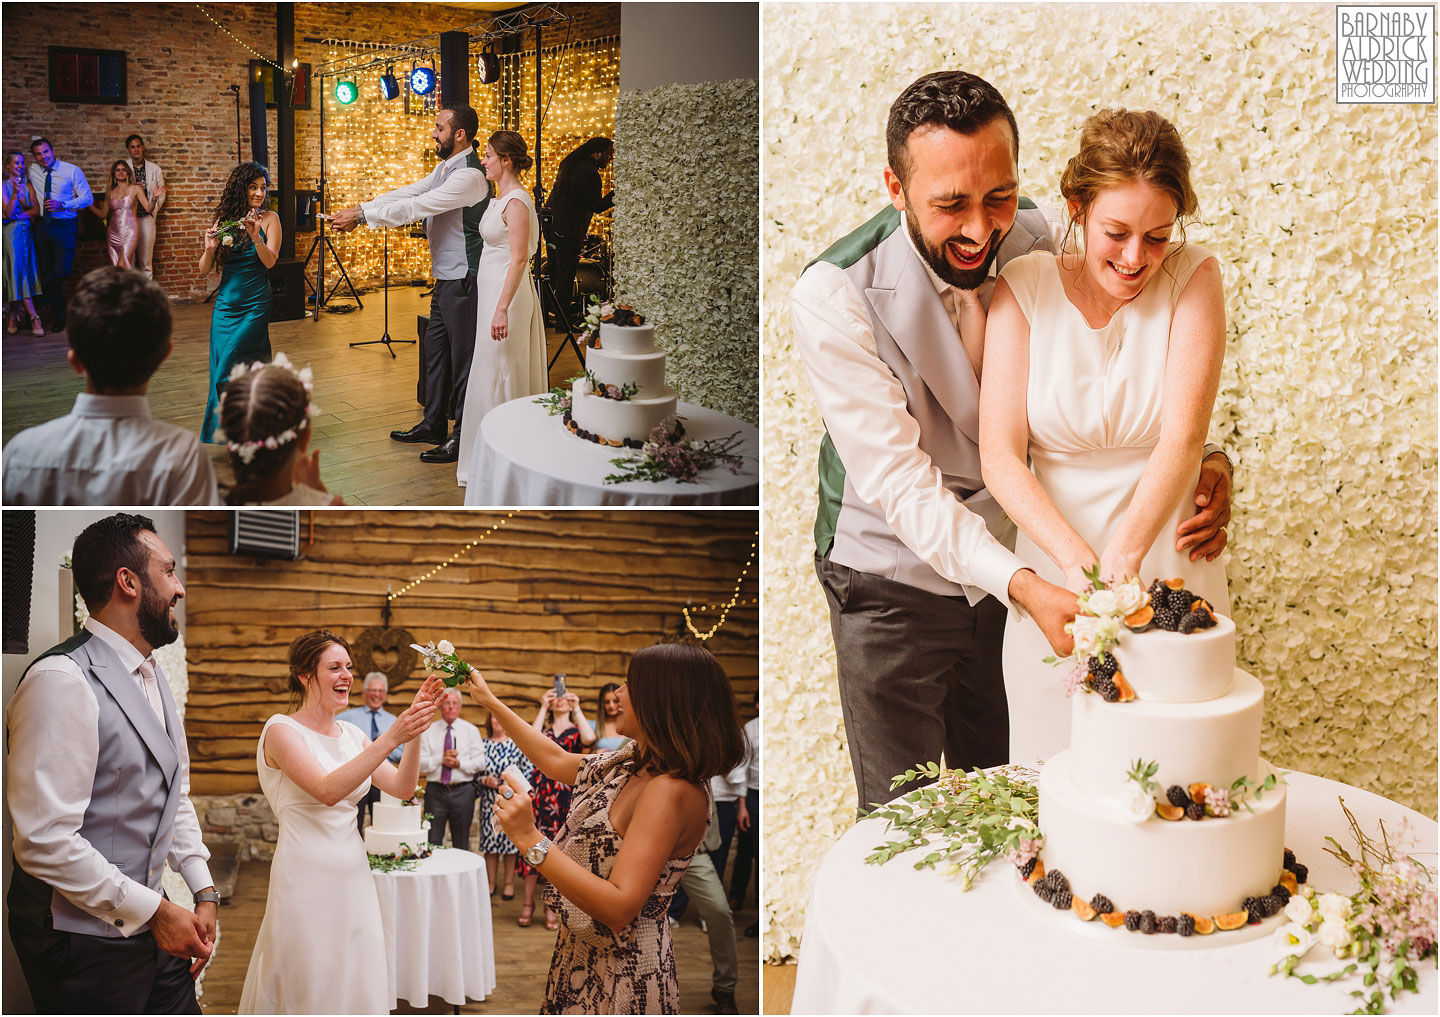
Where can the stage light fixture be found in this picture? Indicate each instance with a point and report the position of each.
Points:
(489, 66)
(389, 84)
(346, 92)
(422, 80)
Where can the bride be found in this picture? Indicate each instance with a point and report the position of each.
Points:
(322, 912)
(509, 360)
(1101, 369)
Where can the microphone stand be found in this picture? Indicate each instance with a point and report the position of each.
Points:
(386, 337)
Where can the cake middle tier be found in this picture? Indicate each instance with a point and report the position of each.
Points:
(1216, 741)
(617, 420)
(1206, 867)
(644, 370)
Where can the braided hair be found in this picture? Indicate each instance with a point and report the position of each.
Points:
(262, 404)
(234, 201)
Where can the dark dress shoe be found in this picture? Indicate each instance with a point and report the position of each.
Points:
(419, 435)
(446, 453)
(724, 1001)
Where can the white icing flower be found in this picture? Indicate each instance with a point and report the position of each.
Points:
(1130, 597)
(1102, 602)
(1293, 939)
(1136, 804)
(445, 646)
(1298, 910)
(1333, 907)
(1334, 933)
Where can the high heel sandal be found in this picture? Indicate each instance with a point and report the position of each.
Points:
(526, 914)
(12, 324)
(37, 327)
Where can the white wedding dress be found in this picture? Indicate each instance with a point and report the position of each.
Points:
(514, 366)
(321, 947)
(1094, 402)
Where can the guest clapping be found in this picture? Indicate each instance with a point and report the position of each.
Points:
(265, 414)
(638, 816)
(451, 754)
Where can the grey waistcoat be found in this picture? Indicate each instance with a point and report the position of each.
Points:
(915, 337)
(135, 791)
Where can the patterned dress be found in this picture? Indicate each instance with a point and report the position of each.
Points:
(595, 970)
(551, 800)
(498, 755)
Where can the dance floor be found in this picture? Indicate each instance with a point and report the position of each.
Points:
(522, 956)
(363, 394)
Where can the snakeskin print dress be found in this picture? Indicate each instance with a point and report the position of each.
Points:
(594, 969)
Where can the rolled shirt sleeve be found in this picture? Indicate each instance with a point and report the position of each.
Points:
(864, 408)
(52, 725)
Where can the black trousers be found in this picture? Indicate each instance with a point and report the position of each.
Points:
(725, 813)
(564, 263)
(73, 973)
(453, 805)
(449, 347)
(920, 676)
(55, 256)
(747, 847)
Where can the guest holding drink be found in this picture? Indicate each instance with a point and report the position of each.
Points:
(638, 815)
(22, 272)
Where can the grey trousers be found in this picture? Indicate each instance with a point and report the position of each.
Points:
(449, 347)
(145, 245)
(707, 897)
(920, 676)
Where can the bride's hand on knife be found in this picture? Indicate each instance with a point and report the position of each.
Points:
(1075, 580)
(1116, 567)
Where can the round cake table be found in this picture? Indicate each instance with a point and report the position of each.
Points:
(891, 939)
(438, 939)
(529, 458)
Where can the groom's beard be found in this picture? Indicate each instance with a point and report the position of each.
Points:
(445, 149)
(968, 279)
(156, 626)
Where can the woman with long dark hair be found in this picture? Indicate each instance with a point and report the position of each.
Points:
(637, 817)
(244, 242)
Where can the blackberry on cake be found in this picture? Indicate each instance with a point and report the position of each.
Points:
(1132, 921)
(1178, 796)
(1167, 924)
(1101, 904)
(1185, 925)
(1147, 922)
(1061, 900)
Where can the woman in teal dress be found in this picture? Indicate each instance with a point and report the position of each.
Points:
(244, 253)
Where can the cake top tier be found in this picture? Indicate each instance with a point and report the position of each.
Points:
(627, 338)
(1179, 667)
(386, 799)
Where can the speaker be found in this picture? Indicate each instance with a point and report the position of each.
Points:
(259, 147)
(287, 290)
(454, 68)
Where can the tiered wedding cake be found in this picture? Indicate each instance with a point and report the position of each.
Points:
(1161, 816)
(395, 824)
(622, 395)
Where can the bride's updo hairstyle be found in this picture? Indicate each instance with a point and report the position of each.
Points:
(305, 654)
(509, 145)
(684, 707)
(1120, 146)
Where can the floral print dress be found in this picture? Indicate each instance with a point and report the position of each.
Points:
(551, 798)
(594, 969)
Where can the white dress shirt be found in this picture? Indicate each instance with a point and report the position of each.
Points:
(154, 180)
(469, 745)
(450, 188)
(729, 787)
(67, 186)
(107, 451)
(864, 408)
(54, 743)
(752, 753)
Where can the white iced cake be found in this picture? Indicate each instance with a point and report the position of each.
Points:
(395, 824)
(623, 394)
(1209, 853)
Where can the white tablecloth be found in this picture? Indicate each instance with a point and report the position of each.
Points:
(438, 939)
(891, 939)
(529, 458)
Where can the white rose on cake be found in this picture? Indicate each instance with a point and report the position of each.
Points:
(1130, 597)
(1102, 602)
(1298, 910)
(1136, 804)
(1083, 629)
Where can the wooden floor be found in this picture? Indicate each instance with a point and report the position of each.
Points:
(779, 987)
(363, 394)
(522, 956)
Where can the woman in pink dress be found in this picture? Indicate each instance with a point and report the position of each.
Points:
(123, 232)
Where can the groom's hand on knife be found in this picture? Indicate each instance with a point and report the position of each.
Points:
(345, 220)
(182, 934)
(1203, 534)
(1052, 607)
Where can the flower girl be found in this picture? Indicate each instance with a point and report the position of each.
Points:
(265, 412)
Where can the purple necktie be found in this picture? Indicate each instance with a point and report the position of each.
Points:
(449, 744)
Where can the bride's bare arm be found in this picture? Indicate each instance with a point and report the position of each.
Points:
(1005, 439)
(1192, 377)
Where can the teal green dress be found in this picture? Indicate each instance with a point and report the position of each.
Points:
(240, 325)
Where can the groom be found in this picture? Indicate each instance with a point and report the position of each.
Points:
(451, 200)
(890, 324)
(99, 781)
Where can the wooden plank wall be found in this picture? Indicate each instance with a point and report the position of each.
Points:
(547, 592)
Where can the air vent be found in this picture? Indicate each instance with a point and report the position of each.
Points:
(265, 533)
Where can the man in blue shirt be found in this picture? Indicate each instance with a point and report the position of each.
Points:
(63, 192)
(372, 719)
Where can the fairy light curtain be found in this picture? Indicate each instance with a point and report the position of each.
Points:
(374, 145)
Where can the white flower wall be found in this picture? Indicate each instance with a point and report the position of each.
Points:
(686, 201)
(1324, 220)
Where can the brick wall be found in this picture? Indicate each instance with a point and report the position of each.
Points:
(179, 63)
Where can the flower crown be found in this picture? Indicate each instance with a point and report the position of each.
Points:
(246, 449)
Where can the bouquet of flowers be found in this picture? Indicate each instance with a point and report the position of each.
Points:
(441, 657)
(667, 455)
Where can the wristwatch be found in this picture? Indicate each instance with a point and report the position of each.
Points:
(535, 854)
(207, 897)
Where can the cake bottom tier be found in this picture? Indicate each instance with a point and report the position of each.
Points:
(386, 842)
(617, 420)
(1206, 867)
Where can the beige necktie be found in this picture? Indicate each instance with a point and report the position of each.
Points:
(152, 689)
(970, 320)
